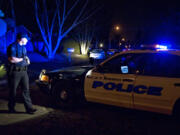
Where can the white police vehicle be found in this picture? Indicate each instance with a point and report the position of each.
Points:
(138, 79)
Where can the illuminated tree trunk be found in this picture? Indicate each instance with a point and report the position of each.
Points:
(84, 35)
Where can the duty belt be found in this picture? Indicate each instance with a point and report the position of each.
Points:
(20, 69)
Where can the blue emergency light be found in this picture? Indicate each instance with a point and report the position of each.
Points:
(70, 50)
(161, 47)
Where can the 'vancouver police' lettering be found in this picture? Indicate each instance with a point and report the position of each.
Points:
(139, 89)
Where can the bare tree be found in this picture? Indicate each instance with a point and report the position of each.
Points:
(84, 35)
(57, 21)
(14, 18)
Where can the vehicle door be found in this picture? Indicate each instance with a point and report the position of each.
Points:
(111, 82)
(154, 88)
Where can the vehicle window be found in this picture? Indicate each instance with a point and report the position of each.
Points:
(162, 64)
(122, 64)
(113, 65)
(176, 70)
(137, 63)
(170, 65)
(151, 64)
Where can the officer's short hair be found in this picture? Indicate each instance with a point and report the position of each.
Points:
(22, 35)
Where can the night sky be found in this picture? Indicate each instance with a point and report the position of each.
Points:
(156, 18)
(159, 17)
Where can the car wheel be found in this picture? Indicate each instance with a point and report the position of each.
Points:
(63, 96)
(176, 110)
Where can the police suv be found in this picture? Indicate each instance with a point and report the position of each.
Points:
(138, 79)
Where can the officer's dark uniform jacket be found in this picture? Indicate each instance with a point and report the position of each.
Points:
(16, 50)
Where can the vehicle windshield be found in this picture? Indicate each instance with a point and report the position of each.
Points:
(97, 51)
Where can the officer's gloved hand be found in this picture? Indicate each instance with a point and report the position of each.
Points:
(22, 63)
(27, 60)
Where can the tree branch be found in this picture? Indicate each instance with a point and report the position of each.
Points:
(81, 12)
(87, 17)
(47, 19)
(59, 15)
(53, 21)
(39, 25)
(70, 10)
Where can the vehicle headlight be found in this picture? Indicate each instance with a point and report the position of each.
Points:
(44, 78)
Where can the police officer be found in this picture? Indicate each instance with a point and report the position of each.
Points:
(17, 73)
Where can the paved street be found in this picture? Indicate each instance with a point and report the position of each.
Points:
(87, 119)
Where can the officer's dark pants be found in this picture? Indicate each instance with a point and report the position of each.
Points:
(16, 78)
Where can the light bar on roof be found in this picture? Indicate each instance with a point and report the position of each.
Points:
(161, 47)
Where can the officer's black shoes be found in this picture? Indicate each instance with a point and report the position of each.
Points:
(12, 111)
(31, 111)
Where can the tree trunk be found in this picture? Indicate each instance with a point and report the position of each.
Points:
(50, 56)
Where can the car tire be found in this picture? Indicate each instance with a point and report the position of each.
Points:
(176, 111)
(63, 96)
